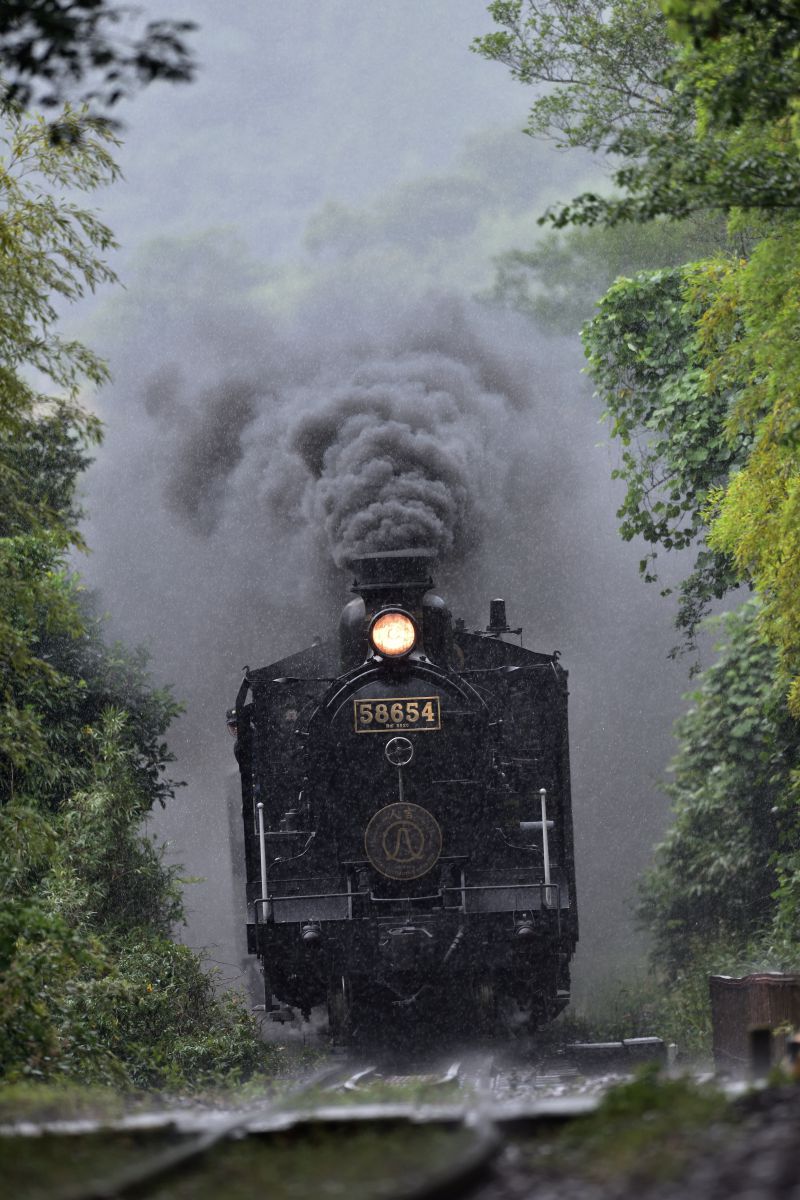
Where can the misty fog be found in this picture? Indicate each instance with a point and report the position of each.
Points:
(304, 232)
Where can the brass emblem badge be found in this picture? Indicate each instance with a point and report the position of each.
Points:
(403, 841)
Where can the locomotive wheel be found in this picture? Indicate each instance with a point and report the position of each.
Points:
(340, 1008)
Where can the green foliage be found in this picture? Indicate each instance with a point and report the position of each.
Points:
(787, 895)
(613, 82)
(681, 1012)
(764, 34)
(643, 1131)
(142, 1013)
(100, 678)
(647, 363)
(697, 370)
(712, 172)
(90, 984)
(720, 131)
(757, 514)
(154, 1020)
(737, 94)
(697, 123)
(715, 871)
(104, 872)
(40, 957)
(604, 64)
(91, 987)
(49, 248)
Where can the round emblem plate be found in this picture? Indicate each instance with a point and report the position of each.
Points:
(403, 841)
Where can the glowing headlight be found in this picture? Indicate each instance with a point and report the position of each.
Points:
(393, 634)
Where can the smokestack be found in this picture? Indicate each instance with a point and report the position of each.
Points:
(393, 571)
(498, 622)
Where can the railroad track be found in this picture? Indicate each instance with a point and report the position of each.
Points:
(433, 1129)
(474, 1150)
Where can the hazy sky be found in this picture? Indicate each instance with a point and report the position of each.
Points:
(334, 165)
(296, 103)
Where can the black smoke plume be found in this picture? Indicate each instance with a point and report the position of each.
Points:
(379, 443)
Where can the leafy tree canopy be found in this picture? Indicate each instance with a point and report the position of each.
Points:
(89, 52)
(49, 248)
(669, 415)
(750, 335)
(602, 64)
(696, 371)
(765, 36)
(683, 121)
(90, 983)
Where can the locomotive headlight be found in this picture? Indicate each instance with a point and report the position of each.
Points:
(393, 633)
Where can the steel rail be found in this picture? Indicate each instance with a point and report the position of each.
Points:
(134, 1180)
(467, 1165)
(465, 1168)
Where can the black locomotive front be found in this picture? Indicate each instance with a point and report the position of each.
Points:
(407, 815)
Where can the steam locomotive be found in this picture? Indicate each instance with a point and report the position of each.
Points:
(407, 816)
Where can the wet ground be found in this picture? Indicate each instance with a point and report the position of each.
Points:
(488, 1125)
(749, 1152)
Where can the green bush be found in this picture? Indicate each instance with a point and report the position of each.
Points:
(734, 831)
(154, 1020)
(721, 896)
(91, 986)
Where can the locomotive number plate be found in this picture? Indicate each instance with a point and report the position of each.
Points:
(422, 713)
